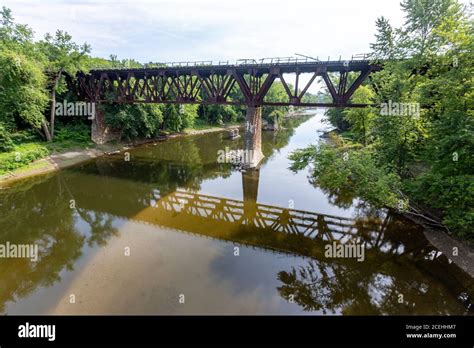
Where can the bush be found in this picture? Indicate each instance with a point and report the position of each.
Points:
(24, 136)
(21, 156)
(350, 172)
(219, 114)
(453, 195)
(179, 117)
(135, 120)
(24, 96)
(78, 132)
(6, 143)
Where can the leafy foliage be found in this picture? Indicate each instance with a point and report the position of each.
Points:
(361, 120)
(354, 172)
(6, 143)
(179, 117)
(135, 120)
(276, 93)
(23, 95)
(454, 195)
(219, 114)
(77, 132)
(22, 154)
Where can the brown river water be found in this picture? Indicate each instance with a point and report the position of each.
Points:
(172, 231)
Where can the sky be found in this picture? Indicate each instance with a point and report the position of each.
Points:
(211, 30)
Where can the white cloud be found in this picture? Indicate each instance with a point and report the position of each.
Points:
(168, 30)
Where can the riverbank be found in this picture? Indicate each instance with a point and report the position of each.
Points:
(73, 156)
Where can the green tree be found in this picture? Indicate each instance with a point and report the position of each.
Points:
(361, 119)
(219, 114)
(62, 56)
(134, 120)
(385, 45)
(23, 95)
(276, 93)
(179, 117)
(428, 63)
(13, 35)
(423, 18)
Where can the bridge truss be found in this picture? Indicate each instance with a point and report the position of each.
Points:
(246, 83)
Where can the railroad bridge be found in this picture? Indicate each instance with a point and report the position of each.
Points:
(246, 82)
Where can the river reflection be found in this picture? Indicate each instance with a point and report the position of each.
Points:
(132, 236)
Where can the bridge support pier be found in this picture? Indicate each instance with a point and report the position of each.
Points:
(250, 180)
(100, 132)
(253, 136)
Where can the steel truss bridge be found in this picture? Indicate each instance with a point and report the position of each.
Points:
(217, 84)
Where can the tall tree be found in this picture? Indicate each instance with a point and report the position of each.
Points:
(63, 56)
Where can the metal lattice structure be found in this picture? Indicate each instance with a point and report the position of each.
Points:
(199, 213)
(204, 83)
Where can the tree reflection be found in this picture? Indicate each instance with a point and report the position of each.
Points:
(29, 218)
(394, 284)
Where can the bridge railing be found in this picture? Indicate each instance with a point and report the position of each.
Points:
(249, 62)
(190, 63)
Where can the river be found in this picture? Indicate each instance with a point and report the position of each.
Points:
(166, 229)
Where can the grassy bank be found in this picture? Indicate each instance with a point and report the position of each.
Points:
(27, 147)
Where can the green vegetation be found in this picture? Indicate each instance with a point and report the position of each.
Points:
(24, 147)
(345, 172)
(134, 119)
(22, 155)
(423, 158)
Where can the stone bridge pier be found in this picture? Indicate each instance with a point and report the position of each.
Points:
(253, 137)
(100, 132)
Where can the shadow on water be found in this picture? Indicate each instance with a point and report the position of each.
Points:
(66, 212)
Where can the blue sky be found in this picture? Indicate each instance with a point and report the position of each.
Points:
(176, 30)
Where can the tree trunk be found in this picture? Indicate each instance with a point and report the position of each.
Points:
(47, 134)
(53, 110)
(53, 102)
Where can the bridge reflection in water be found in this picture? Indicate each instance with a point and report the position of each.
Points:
(247, 222)
(397, 255)
(271, 227)
(318, 285)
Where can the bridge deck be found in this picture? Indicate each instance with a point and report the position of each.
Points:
(292, 67)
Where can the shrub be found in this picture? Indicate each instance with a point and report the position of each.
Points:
(135, 120)
(79, 132)
(453, 195)
(6, 143)
(353, 172)
(21, 156)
